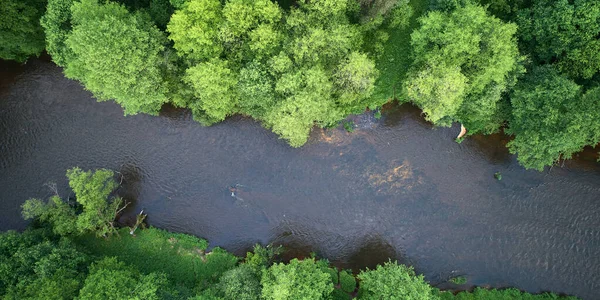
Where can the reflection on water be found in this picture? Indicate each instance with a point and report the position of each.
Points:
(395, 187)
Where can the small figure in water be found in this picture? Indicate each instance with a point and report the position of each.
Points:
(232, 190)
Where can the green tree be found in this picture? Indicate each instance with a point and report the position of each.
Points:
(214, 86)
(35, 265)
(300, 279)
(256, 90)
(394, 282)
(464, 60)
(241, 283)
(21, 35)
(307, 101)
(563, 31)
(59, 214)
(111, 279)
(194, 29)
(290, 69)
(93, 191)
(354, 81)
(551, 118)
(57, 27)
(117, 55)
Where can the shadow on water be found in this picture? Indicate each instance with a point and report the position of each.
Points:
(394, 188)
(130, 178)
(374, 250)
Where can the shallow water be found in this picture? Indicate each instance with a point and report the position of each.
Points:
(394, 187)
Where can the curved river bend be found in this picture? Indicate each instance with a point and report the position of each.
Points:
(393, 188)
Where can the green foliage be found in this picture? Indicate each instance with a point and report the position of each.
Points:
(565, 32)
(181, 257)
(347, 282)
(194, 29)
(393, 281)
(214, 85)
(60, 215)
(93, 192)
(262, 257)
(290, 69)
(21, 35)
(462, 279)
(448, 5)
(241, 283)
(111, 279)
(464, 60)
(354, 81)
(377, 114)
(117, 55)
(160, 11)
(57, 27)
(504, 9)
(300, 279)
(35, 265)
(349, 126)
(551, 118)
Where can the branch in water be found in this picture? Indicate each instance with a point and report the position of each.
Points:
(463, 131)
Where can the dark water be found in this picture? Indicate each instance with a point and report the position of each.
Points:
(393, 188)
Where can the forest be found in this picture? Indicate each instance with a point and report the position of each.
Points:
(529, 68)
(74, 249)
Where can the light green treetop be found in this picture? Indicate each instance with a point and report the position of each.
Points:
(463, 61)
(117, 55)
(300, 279)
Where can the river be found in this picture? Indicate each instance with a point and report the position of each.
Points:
(395, 187)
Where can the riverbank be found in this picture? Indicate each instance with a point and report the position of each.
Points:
(189, 269)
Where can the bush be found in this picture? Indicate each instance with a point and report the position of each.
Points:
(394, 282)
(300, 279)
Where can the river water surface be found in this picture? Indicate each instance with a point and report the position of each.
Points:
(395, 187)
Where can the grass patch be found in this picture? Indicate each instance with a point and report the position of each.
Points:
(395, 61)
(182, 257)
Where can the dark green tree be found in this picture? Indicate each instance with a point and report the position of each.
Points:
(111, 279)
(21, 35)
(564, 32)
(241, 283)
(37, 265)
(57, 27)
(551, 118)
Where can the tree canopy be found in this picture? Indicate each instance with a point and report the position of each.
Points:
(394, 282)
(21, 35)
(117, 55)
(552, 118)
(464, 60)
(93, 191)
(563, 32)
(300, 279)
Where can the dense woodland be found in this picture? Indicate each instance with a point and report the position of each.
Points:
(528, 67)
(74, 250)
